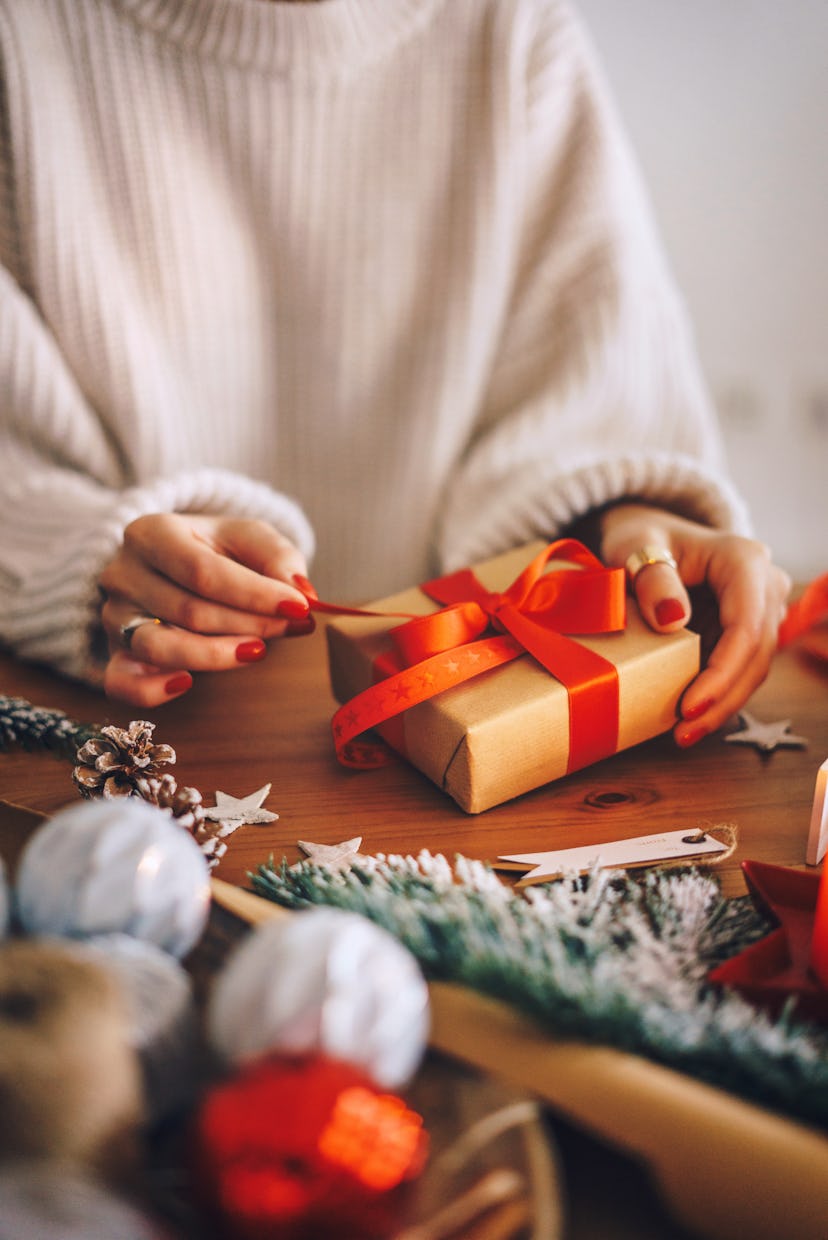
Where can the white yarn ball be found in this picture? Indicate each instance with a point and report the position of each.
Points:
(115, 866)
(5, 910)
(323, 981)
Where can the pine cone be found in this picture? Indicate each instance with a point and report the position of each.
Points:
(112, 763)
(213, 848)
(184, 804)
(157, 789)
(188, 810)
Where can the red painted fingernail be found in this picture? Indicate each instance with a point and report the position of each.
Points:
(250, 652)
(292, 609)
(669, 610)
(690, 736)
(693, 712)
(300, 628)
(304, 585)
(178, 684)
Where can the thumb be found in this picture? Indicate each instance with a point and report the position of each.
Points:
(142, 684)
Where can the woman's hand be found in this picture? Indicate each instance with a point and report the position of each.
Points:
(221, 586)
(749, 590)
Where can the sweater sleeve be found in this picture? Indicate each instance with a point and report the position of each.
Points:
(64, 503)
(596, 394)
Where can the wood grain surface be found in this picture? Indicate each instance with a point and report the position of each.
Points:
(269, 723)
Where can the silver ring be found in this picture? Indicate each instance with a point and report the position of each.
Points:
(648, 555)
(130, 627)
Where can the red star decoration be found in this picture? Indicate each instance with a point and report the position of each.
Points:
(778, 967)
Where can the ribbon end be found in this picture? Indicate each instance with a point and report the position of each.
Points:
(364, 755)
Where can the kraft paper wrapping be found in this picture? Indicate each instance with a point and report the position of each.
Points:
(507, 731)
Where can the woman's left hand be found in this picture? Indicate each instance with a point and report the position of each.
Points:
(750, 591)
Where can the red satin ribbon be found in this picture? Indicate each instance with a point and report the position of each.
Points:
(534, 615)
(805, 612)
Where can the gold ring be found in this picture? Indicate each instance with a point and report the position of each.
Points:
(129, 629)
(645, 556)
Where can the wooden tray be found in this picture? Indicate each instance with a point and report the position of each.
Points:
(728, 1169)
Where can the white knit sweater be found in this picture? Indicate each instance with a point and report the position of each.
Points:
(377, 271)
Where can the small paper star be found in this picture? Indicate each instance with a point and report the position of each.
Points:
(334, 857)
(765, 736)
(237, 811)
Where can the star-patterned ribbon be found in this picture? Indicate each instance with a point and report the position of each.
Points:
(534, 615)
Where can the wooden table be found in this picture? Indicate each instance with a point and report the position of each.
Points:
(269, 723)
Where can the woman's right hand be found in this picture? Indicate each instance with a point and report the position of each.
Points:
(221, 587)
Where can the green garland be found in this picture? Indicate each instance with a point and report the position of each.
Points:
(35, 727)
(608, 958)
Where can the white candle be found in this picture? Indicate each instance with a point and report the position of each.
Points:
(818, 833)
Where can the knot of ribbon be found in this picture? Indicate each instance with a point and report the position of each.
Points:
(535, 615)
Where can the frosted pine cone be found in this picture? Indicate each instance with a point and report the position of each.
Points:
(183, 803)
(212, 845)
(112, 763)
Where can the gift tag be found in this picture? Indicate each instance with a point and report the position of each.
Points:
(667, 845)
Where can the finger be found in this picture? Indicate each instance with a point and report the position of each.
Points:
(143, 684)
(262, 548)
(166, 647)
(130, 578)
(738, 664)
(662, 599)
(177, 550)
(746, 587)
(712, 713)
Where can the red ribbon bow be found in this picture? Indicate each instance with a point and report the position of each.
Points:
(534, 615)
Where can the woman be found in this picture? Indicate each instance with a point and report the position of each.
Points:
(375, 275)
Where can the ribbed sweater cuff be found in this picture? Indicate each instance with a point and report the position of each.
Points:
(53, 617)
(545, 503)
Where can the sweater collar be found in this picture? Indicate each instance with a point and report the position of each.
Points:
(288, 39)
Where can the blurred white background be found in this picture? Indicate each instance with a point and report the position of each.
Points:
(726, 102)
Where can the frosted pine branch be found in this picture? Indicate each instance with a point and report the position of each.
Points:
(36, 727)
(607, 958)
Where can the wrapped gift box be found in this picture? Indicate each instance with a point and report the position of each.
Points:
(508, 730)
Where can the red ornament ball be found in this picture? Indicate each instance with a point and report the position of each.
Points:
(305, 1148)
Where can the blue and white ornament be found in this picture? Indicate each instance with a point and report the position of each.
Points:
(323, 981)
(114, 866)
